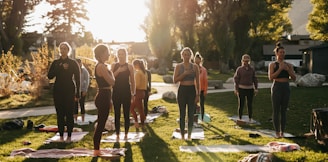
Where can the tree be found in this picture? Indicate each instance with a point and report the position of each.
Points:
(318, 22)
(158, 32)
(185, 15)
(66, 16)
(12, 20)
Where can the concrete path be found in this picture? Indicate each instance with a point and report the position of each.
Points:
(161, 88)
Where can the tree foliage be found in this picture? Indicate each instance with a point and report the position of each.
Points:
(318, 20)
(12, 20)
(159, 31)
(66, 19)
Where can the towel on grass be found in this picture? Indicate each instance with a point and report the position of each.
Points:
(270, 147)
(76, 136)
(65, 153)
(132, 137)
(197, 133)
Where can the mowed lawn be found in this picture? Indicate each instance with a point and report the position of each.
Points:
(158, 145)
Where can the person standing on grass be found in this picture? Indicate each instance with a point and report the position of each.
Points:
(246, 86)
(123, 90)
(85, 81)
(141, 80)
(280, 72)
(148, 91)
(66, 91)
(105, 81)
(187, 75)
(198, 59)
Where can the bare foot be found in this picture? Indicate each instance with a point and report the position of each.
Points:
(96, 153)
(68, 140)
(281, 135)
(136, 125)
(117, 138)
(125, 137)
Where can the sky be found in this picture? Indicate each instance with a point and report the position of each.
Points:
(109, 20)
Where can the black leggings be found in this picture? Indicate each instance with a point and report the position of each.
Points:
(64, 104)
(80, 102)
(248, 94)
(122, 97)
(103, 103)
(280, 93)
(186, 97)
(202, 104)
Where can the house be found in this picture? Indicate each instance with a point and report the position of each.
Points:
(315, 59)
(292, 45)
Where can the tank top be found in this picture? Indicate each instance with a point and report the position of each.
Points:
(190, 77)
(122, 79)
(283, 73)
(101, 82)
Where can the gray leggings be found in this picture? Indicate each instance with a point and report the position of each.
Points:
(280, 92)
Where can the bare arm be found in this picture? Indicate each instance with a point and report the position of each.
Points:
(103, 71)
(291, 72)
(132, 79)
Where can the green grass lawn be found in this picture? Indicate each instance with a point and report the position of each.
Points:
(158, 145)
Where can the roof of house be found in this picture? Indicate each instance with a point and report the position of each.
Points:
(289, 49)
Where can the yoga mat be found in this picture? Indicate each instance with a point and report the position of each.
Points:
(87, 119)
(197, 133)
(149, 119)
(268, 133)
(76, 136)
(225, 148)
(132, 137)
(274, 146)
(245, 119)
(66, 153)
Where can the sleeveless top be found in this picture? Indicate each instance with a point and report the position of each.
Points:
(190, 77)
(283, 73)
(101, 82)
(122, 79)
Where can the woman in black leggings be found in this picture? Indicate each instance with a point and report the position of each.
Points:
(280, 72)
(65, 91)
(105, 81)
(123, 90)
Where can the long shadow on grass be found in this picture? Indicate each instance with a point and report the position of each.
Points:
(154, 148)
(302, 101)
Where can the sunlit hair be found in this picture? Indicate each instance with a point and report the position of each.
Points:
(140, 63)
(100, 50)
(245, 56)
(67, 45)
(187, 49)
(278, 47)
(197, 55)
(124, 50)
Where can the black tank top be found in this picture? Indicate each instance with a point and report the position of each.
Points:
(122, 79)
(101, 82)
(283, 73)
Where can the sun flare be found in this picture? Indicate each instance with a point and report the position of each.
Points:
(118, 21)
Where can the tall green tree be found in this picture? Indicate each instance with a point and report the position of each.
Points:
(159, 32)
(12, 20)
(318, 20)
(185, 13)
(66, 19)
